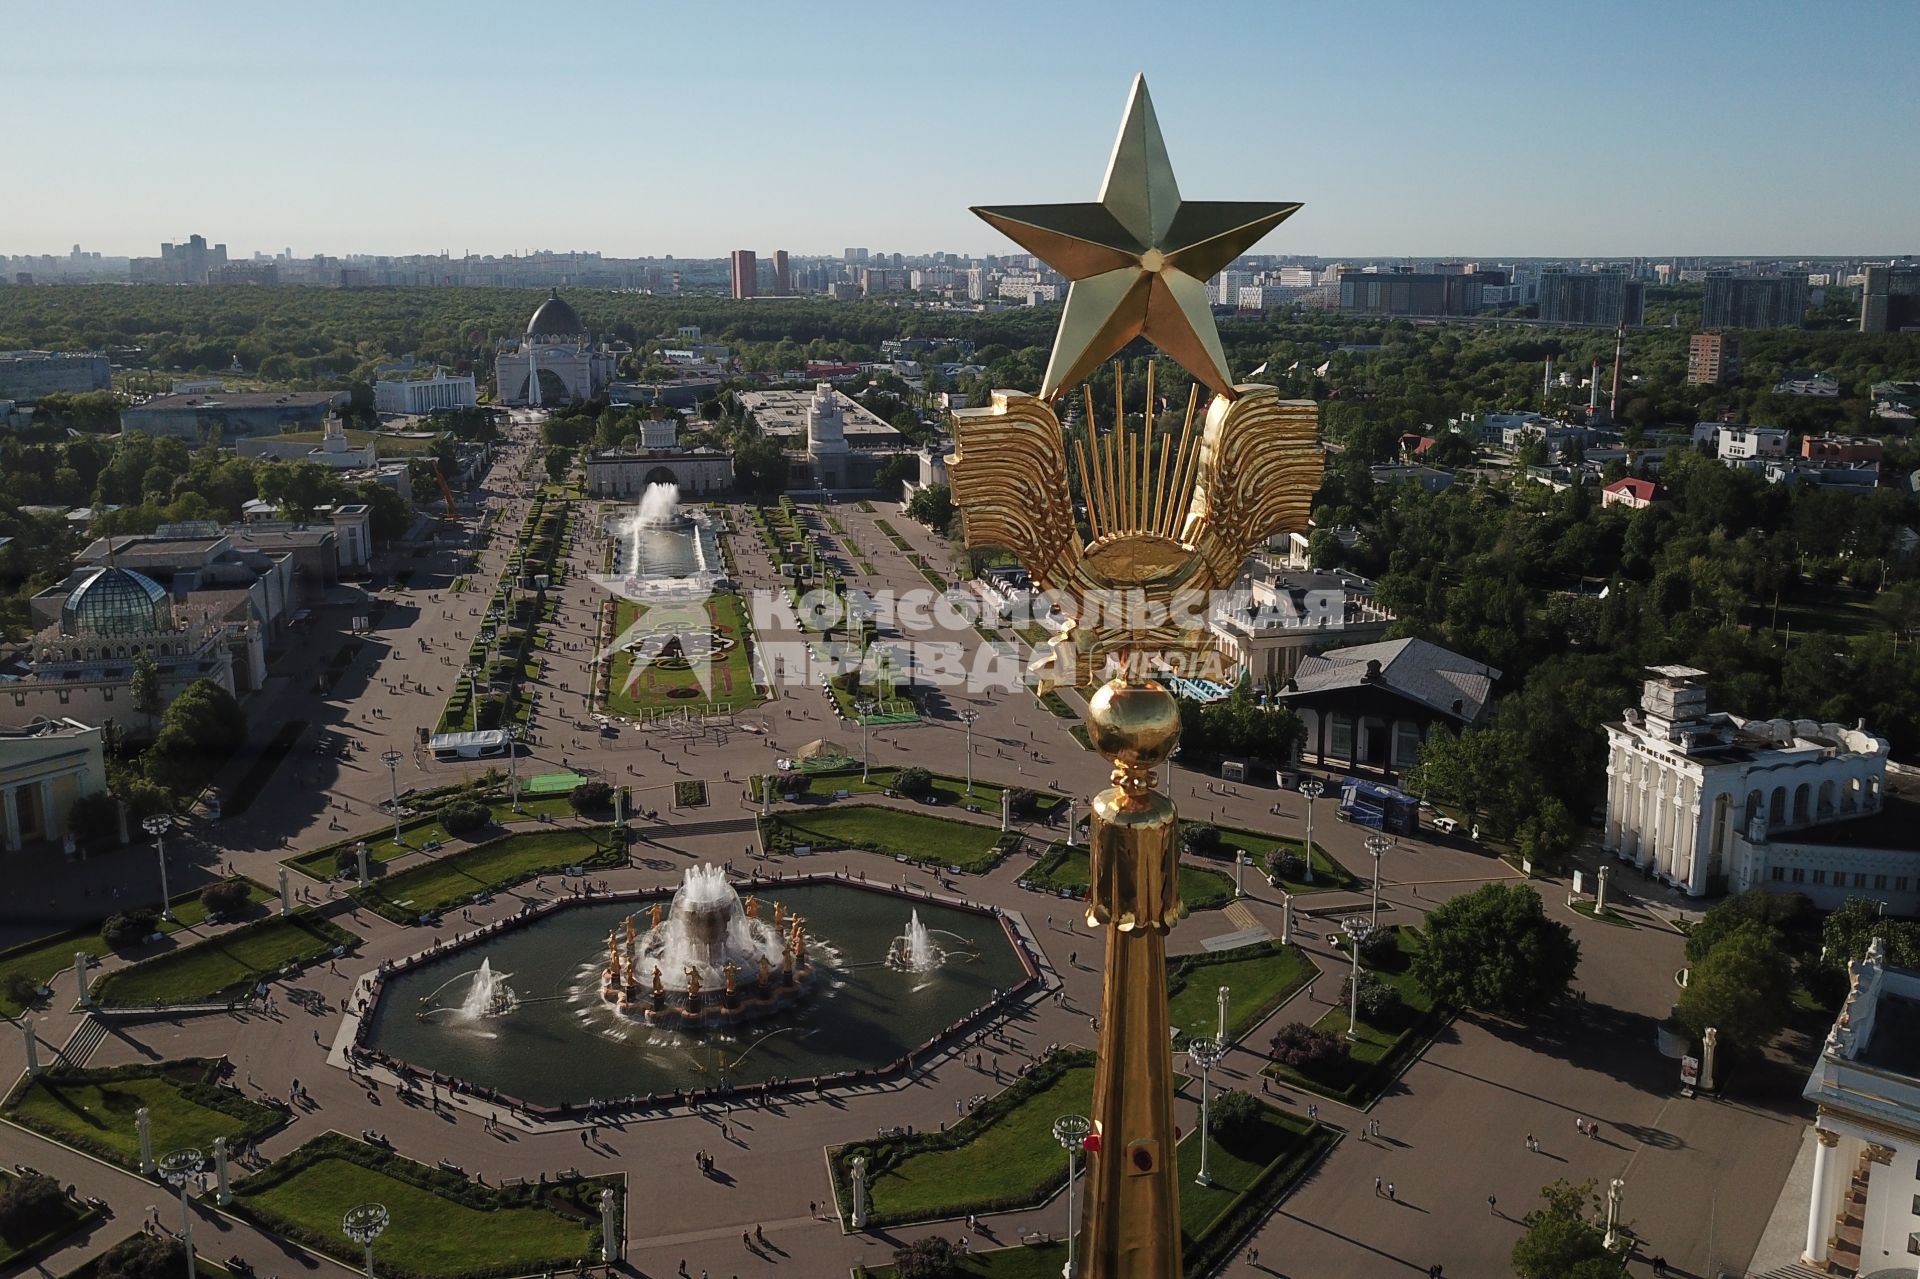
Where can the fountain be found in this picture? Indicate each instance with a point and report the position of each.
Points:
(660, 508)
(914, 950)
(663, 547)
(488, 996)
(712, 961)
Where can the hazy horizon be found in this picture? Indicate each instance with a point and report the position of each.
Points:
(1642, 130)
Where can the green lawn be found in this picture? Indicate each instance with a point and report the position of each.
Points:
(1008, 1159)
(417, 832)
(1378, 1052)
(949, 789)
(93, 1110)
(1328, 874)
(441, 1227)
(888, 830)
(1250, 1170)
(654, 689)
(15, 1250)
(223, 966)
(1260, 979)
(1068, 867)
(42, 959)
(497, 864)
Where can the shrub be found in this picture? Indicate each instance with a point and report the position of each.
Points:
(1300, 1046)
(141, 1257)
(128, 928)
(1021, 802)
(1232, 1112)
(1287, 865)
(463, 816)
(914, 782)
(30, 1207)
(1377, 999)
(590, 797)
(229, 897)
(1201, 838)
(929, 1258)
(21, 989)
(346, 861)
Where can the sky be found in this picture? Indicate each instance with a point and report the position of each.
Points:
(1434, 128)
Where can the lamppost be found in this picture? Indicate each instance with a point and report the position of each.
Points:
(363, 1224)
(391, 758)
(1286, 917)
(178, 1169)
(969, 717)
(157, 826)
(1225, 994)
(513, 763)
(1613, 1213)
(1239, 860)
(473, 694)
(865, 760)
(1205, 1054)
(1357, 931)
(1378, 846)
(1312, 788)
(1071, 1132)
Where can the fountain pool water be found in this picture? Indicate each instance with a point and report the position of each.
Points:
(564, 1042)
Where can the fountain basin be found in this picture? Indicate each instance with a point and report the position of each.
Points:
(563, 1044)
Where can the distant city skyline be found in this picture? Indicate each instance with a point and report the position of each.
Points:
(1490, 130)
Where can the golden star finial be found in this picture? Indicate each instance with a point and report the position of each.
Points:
(1139, 260)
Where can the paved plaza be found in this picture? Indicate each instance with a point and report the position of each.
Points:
(1702, 1175)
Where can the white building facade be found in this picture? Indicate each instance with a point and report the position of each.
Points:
(45, 766)
(1865, 1188)
(1701, 799)
(417, 396)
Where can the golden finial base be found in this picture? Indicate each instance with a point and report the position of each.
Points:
(1133, 1193)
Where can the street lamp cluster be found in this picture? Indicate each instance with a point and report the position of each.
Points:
(157, 826)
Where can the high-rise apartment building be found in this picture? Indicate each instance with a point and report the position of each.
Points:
(1606, 298)
(1890, 298)
(1753, 301)
(1411, 293)
(746, 274)
(1713, 359)
(782, 274)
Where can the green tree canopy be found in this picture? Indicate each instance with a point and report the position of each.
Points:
(1494, 950)
(1744, 987)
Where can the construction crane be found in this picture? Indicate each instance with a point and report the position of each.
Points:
(445, 492)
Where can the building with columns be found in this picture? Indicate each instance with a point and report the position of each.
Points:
(1711, 803)
(82, 664)
(1866, 1096)
(44, 766)
(557, 362)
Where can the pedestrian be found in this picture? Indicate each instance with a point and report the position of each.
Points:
(1390, 1190)
(1313, 1110)
(1530, 1144)
(1659, 1264)
(1593, 1130)
(1493, 1206)
(1376, 1187)
(1253, 1256)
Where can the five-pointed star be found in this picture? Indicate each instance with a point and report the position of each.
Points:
(1138, 260)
